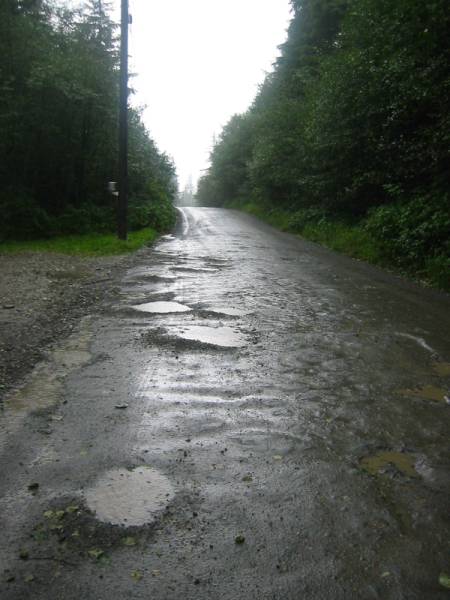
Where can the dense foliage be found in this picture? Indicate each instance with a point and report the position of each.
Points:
(353, 125)
(59, 78)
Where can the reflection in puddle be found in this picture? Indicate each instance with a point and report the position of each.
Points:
(162, 307)
(216, 336)
(129, 498)
(378, 463)
(442, 369)
(232, 312)
(195, 269)
(428, 392)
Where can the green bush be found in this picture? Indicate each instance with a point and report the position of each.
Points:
(307, 216)
(22, 217)
(412, 232)
(85, 219)
(437, 271)
(162, 216)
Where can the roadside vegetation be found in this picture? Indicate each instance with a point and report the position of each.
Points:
(59, 86)
(84, 245)
(347, 141)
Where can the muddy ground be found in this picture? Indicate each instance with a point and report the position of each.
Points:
(42, 297)
(249, 416)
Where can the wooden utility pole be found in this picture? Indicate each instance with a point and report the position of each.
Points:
(123, 125)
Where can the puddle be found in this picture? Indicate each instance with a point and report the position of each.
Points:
(442, 369)
(378, 463)
(232, 312)
(46, 383)
(428, 392)
(162, 307)
(215, 336)
(129, 498)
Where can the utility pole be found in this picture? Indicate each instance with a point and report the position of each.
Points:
(122, 209)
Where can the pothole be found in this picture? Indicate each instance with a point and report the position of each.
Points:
(162, 307)
(215, 336)
(381, 462)
(129, 498)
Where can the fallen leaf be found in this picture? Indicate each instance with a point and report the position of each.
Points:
(71, 509)
(95, 553)
(239, 539)
(247, 478)
(129, 541)
(444, 580)
(277, 457)
(136, 575)
(28, 578)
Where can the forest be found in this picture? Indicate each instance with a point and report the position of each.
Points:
(59, 90)
(347, 140)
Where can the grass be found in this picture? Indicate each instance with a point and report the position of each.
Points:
(85, 245)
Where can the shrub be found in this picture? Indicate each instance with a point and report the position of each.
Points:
(85, 219)
(22, 217)
(411, 232)
(306, 216)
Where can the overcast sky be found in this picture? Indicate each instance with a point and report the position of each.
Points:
(198, 62)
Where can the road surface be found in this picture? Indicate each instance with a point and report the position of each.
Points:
(281, 432)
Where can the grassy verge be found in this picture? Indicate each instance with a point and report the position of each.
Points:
(87, 245)
(357, 242)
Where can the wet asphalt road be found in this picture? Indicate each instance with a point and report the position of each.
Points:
(285, 438)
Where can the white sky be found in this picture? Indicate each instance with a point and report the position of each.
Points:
(198, 62)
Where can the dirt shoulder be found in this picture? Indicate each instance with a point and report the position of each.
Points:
(42, 296)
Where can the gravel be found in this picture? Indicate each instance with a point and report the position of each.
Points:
(42, 295)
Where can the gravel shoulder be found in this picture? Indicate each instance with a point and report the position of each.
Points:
(42, 296)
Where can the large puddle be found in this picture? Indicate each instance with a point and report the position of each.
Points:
(215, 336)
(129, 498)
(162, 307)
